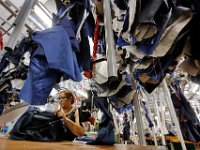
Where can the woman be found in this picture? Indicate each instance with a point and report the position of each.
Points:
(69, 115)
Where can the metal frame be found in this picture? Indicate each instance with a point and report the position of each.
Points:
(20, 22)
(173, 113)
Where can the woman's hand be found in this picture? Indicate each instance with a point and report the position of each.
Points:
(60, 114)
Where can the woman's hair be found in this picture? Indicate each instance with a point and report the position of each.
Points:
(68, 94)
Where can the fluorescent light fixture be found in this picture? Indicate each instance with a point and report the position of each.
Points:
(82, 93)
(36, 22)
(43, 16)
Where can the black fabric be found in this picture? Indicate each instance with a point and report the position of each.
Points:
(3, 100)
(195, 79)
(84, 114)
(194, 36)
(4, 61)
(121, 4)
(27, 44)
(4, 87)
(126, 129)
(38, 125)
(68, 134)
(105, 135)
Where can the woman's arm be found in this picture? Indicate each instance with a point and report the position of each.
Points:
(75, 127)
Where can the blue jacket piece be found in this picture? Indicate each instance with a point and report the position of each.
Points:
(53, 57)
(56, 55)
(40, 80)
(58, 51)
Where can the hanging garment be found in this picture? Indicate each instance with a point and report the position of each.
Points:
(27, 44)
(15, 56)
(53, 57)
(126, 127)
(123, 94)
(79, 15)
(179, 19)
(57, 52)
(40, 80)
(168, 23)
(59, 49)
(105, 135)
(166, 64)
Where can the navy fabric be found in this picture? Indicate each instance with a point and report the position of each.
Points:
(122, 42)
(27, 44)
(84, 57)
(123, 108)
(53, 57)
(105, 135)
(147, 114)
(72, 25)
(68, 25)
(84, 139)
(121, 4)
(58, 51)
(4, 63)
(126, 129)
(40, 80)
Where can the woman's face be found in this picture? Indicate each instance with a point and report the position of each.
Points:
(64, 101)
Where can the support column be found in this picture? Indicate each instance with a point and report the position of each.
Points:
(20, 21)
(110, 45)
(159, 119)
(173, 113)
(146, 96)
(153, 128)
(139, 121)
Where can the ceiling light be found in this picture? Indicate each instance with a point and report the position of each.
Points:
(43, 16)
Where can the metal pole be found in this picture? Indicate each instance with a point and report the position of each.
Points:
(152, 128)
(144, 93)
(139, 121)
(110, 46)
(20, 21)
(159, 119)
(173, 113)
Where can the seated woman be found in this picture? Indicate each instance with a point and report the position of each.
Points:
(38, 125)
(69, 115)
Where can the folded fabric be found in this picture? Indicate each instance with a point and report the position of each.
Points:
(83, 139)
